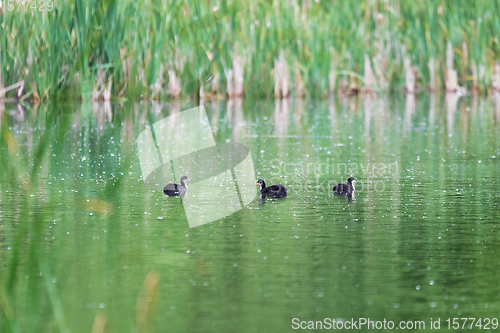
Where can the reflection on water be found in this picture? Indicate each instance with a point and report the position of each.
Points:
(84, 243)
(281, 117)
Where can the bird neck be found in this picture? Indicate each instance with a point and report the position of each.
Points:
(183, 184)
(263, 185)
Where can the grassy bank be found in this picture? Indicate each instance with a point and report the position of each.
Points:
(131, 49)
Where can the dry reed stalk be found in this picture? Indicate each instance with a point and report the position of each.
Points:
(465, 55)
(156, 107)
(19, 86)
(475, 85)
(29, 62)
(140, 77)
(350, 83)
(235, 79)
(343, 85)
(368, 77)
(332, 76)
(102, 86)
(106, 94)
(451, 77)
(156, 88)
(29, 58)
(125, 63)
(281, 77)
(298, 81)
(202, 94)
(277, 80)
(201, 91)
(96, 92)
(174, 84)
(2, 92)
(20, 90)
(465, 63)
(230, 83)
(410, 76)
(215, 85)
(482, 71)
(353, 88)
(377, 59)
(495, 79)
(238, 76)
(331, 79)
(380, 67)
(432, 75)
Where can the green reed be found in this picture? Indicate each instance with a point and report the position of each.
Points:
(59, 53)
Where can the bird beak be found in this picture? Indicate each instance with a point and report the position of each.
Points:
(189, 180)
(257, 184)
(353, 181)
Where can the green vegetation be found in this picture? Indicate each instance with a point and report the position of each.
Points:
(80, 46)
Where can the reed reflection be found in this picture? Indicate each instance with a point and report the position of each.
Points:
(298, 112)
(281, 117)
(234, 116)
(496, 105)
(102, 114)
(451, 101)
(410, 106)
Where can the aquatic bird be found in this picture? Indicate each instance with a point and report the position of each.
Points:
(175, 189)
(345, 188)
(273, 191)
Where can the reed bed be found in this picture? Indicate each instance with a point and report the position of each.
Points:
(153, 49)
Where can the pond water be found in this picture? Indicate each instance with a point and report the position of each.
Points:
(85, 245)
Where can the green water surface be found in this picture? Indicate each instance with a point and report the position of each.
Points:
(85, 246)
